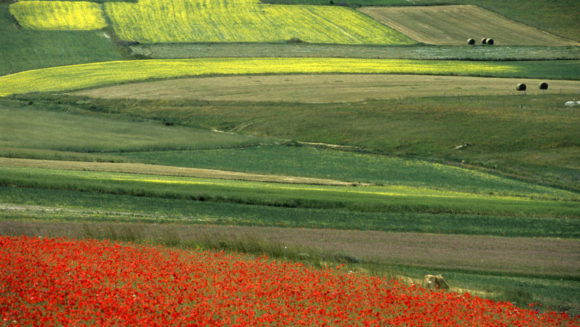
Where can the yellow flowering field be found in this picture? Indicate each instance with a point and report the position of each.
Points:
(59, 15)
(74, 77)
(161, 21)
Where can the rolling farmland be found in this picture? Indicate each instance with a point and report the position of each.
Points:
(216, 289)
(244, 21)
(323, 88)
(453, 25)
(558, 17)
(68, 78)
(120, 135)
(304, 132)
(195, 21)
(24, 49)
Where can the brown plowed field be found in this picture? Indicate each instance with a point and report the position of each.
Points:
(534, 256)
(453, 25)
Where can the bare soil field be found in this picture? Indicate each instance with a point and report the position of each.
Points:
(453, 25)
(530, 256)
(326, 88)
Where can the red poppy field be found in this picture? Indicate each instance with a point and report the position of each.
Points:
(87, 282)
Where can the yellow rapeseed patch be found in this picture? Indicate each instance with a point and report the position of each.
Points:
(68, 78)
(161, 21)
(59, 15)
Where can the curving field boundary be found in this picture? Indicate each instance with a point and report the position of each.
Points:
(138, 168)
(323, 88)
(76, 77)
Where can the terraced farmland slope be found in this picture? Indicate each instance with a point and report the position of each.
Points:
(323, 88)
(453, 25)
(158, 21)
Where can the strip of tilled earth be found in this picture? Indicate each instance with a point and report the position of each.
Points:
(530, 256)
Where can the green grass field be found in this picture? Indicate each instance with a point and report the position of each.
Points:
(453, 25)
(70, 131)
(24, 49)
(529, 137)
(325, 88)
(173, 199)
(395, 198)
(343, 165)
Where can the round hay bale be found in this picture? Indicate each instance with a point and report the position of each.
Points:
(484, 40)
(490, 41)
(521, 87)
(471, 41)
(543, 86)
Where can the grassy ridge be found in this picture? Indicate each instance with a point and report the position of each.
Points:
(347, 166)
(365, 199)
(244, 21)
(532, 137)
(74, 77)
(23, 49)
(103, 207)
(76, 132)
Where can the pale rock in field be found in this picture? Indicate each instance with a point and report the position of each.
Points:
(435, 281)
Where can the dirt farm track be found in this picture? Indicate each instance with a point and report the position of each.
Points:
(530, 256)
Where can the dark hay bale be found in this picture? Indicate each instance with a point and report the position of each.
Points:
(471, 41)
(346, 258)
(484, 40)
(521, 87)
(543, 86)
(125, 43)
(295, 40)
(490, 42)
